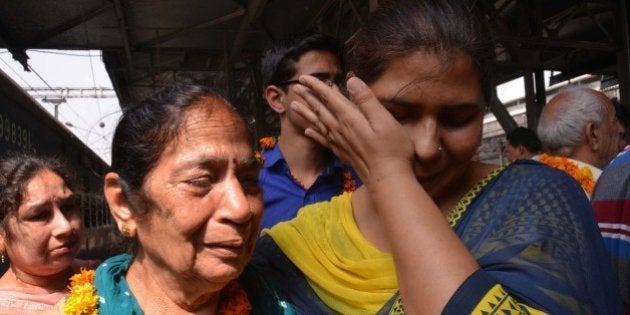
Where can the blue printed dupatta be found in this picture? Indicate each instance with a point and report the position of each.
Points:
(533, 231)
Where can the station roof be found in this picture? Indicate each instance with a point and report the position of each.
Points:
(148, 44)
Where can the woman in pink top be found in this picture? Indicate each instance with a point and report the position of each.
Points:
(40, 233)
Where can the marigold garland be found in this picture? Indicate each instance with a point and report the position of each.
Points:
(234, 300)
(82, 298)
(259, 157)
(582, 175)
(349, 184)
(268, 143)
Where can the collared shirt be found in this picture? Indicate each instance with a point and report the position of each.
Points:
(584, 173)
(284, 195)
(622, 158)
(594, 170)
(611, 203)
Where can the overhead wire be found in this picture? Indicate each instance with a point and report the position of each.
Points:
(100, 136)
(42, 51)
(87, 38)
(98, 103)
(21, 78)
(52, 89)
(106, 135)
(26, 82)
(18, 75)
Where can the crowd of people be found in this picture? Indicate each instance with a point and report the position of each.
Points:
(370, 200)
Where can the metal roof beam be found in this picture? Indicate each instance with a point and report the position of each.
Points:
(70, 24)
(501, 113)
(575, 70)
(558, 43)
(373, 5)
(163, 38)
(122, 26)
(71, 92)
(355, 11)
(254, 10)
(326, 6)
(498, 25)
(18, 52)
(623, 55)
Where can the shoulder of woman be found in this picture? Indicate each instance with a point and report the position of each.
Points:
(533, 181)
(537, 171)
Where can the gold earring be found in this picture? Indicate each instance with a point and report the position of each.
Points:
(125, 231)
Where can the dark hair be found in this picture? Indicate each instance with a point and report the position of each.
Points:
(16, 171)
(398, 28)
(278, 62)
(146, 128)
(525, 137)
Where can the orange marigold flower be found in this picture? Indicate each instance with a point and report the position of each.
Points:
(349, 184)
(267, 143)
(583, 175)
(234, 300)
(83, 277)
(259, 157)
(82, 298)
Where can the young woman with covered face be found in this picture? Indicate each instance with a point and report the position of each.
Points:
(432, 231)
(40, 233)
(184, 187)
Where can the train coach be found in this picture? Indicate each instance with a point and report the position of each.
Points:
(25, 126)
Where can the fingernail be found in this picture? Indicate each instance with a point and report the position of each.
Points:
(355, 85)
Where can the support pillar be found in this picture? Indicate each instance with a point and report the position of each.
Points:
(623, 54)
(535, 96)
(501, 113)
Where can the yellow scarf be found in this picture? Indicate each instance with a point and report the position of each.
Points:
(346, 272)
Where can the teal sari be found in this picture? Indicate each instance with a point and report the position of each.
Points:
(116, 298)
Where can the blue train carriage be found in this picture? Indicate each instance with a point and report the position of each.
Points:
(26, 126)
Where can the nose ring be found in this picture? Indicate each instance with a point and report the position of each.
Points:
(439, 147)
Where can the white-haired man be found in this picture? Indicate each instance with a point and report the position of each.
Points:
(579, 123)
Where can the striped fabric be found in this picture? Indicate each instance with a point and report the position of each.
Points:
(611, 202)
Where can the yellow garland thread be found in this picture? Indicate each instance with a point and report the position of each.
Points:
(82, 298)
